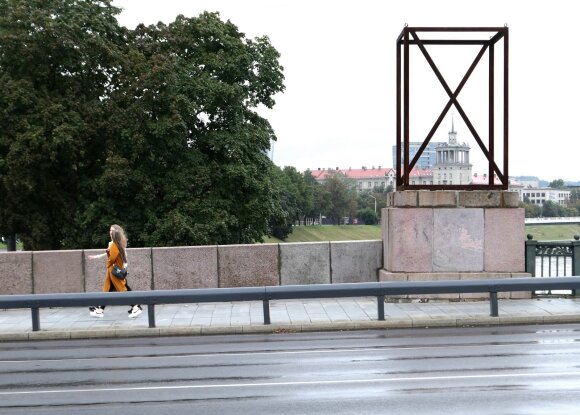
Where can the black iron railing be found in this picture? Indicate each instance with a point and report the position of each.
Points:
(546, 259)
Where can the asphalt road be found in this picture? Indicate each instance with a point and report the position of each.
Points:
(501, 370)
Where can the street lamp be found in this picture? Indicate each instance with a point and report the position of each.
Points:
(375, 203)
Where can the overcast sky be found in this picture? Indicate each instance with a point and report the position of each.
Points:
(339, 61)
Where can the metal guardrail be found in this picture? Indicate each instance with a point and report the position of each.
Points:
(371, 289)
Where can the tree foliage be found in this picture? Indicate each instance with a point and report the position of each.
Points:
(342, 197)
(154, 128)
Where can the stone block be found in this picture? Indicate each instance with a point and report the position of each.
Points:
(410, 239)
(434, 276)
(385, 276)
(390, 201)
(504, 249)
(355, 261)
(438, 198)
(58, 271)
(15, 273)
(305, 263)
(405, 198)
(248, 265)
(458, 240)
(483, 276)
(385, 236)
(95, 270)
(185, 267)
(510, 199)
(521, 295)
(138, 277)
(479, 198)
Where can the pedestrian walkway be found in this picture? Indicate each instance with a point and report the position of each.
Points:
(286, 316)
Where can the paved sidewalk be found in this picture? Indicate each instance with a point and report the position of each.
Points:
(286, 316)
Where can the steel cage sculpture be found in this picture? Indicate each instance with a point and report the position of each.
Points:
(409, 37)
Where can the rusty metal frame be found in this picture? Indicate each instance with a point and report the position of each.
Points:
(409, 36)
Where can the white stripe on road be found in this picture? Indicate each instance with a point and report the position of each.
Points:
(295, 352)
(296, 383)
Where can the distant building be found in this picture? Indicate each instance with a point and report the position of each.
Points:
(452, 166)
(363, 179)
(421, 176)
(426, 160)
(539, 196)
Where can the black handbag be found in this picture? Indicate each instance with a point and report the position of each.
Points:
(119, 272)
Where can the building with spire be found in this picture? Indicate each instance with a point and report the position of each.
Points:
(452, 161)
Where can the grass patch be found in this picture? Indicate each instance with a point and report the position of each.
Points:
(331, 233)
(562, 232)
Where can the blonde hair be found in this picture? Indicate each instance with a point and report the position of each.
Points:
(118, 236)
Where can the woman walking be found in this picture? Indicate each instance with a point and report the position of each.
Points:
(116, 255)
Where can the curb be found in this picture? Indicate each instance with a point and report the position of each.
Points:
(284, 328)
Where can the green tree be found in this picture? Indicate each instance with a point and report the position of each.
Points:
(531, 210)
(320, 197)
(154, 128)
(557, 184)
(195, 148)
(59, 61)
(550, 209)
(368, 216)
(295, 198)
(342, 197)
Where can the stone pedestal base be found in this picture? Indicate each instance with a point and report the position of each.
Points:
(429, 235)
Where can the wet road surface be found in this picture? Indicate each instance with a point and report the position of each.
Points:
(484, 370)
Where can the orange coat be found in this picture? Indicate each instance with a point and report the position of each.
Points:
(114, 257)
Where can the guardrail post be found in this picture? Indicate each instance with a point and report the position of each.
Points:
(493, 304)
(35, 319)
(381, 306)
(151, 315)
(576, 261)
(266, 306)
(531, 255)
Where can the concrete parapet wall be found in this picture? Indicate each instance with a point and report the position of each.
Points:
(57, 269)
(16, 273)
(185, 267)
(195, 267)
(305, 263)
(248, 265)
(355, 262)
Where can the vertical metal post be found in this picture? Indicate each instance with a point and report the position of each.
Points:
(151, 315)
(35, 319)
(11, 243)
(381, 307)
(266, 306)
(397, 166)
(406, 172)
(491, 115)
(576, 261)
(493, 304)
(531, 255)
(506, 105)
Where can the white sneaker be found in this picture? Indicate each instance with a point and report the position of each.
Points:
(97, 312)
(135, 311)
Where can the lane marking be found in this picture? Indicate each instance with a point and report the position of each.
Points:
(290, 352)
(295, 383)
